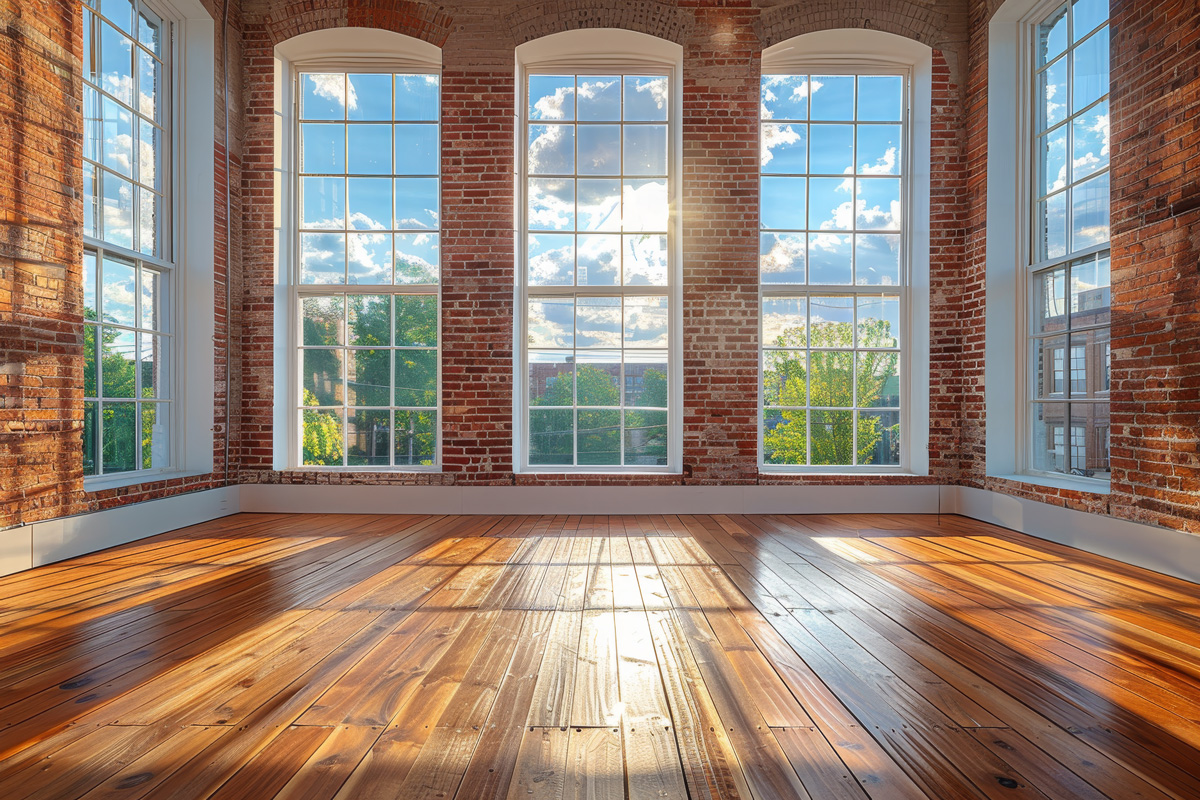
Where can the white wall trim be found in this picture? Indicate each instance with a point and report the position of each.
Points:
(40, 543)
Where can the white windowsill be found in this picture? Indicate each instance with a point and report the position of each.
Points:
(1088, 485)
(120, 480)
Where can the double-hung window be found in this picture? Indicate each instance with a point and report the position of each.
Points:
(596, 286)
(834, 268)
(367, 272)
(129, 254)
(1068, 262)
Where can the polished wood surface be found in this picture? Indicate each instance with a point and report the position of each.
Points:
(359, 657)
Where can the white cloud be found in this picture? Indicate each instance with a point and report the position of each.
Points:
(776, 136)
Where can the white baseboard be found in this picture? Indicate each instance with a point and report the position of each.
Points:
(1160, 549)
(336, 499)
(54, 540)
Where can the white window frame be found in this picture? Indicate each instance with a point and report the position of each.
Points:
(340, 50)
(866, 52)
(604, 51)
(1010, 263)
(189, 186)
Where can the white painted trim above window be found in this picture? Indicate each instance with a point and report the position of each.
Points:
(861, 51)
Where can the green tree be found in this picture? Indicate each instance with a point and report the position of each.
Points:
(828, 380)
(322, 434)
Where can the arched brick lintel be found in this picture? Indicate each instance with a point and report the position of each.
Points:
(424, 21)
(535, 20)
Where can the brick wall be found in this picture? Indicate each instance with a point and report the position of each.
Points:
(1156, 396)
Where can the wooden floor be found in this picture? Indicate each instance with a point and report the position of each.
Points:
(344, 657)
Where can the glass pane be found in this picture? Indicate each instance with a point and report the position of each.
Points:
(91, 201)
(878, 204)
(880, 98)
(417, 258)
(645, 149)
(1050, 365)
(89, 361)
(551, 379)
(599, 149)
(551, 260)
(831, 321)
(118, 292)
(645, 98)
(322, 202)
(321, 378)
(148, 78)
(785, 378)
(416, 378)
(1052, 164)
(322, 445)
(830, 206)
(147, 221)
(598, 260)
(369, 258)
(322, 319)
(646, 382)
(416, 149)
(1089, 141)
(785, 437)
(90, 309)
(117, 210)
(645, 322)
(879, 438)
(417, 97)
(416, 203)
(369, 320)
(368, 438)
(416, 438)
(1090, 77)
(829, 258)
(551, 204)
(1090, 440)
(784, 322)
(150, 312)
(1090, 292)
(370, 149)
(782, 203)
(1048, 452)
(416, 320)
(551, 150)
(832, 437)
(785, 96)
(878, 150)
(148, 154)
(551, 322)
(323, 96)
(878, 380)
(154, 363)
(551, 436)
(156, 435)
(781, 257)
(120, 12)
(831, 149)
(599, 438)
(877, 259)
(552, 97)
(831, 378)
(322, 258)
(1090, 360)
(598, 322)
(116, 63)
(599, 204)
(370, 205)
(599, 98)
(149, 31)
(369, 97)
(784, 149)
(91, 432)
(833, 97)
(1052, 94)
(1052, 223)
(121, 447)
(1051, 36)
(598, 375)
(1089, 213)
(878, 321)
(1087, 14)
(90, 50)
(645, 259)
(645, 205)
(646, 438)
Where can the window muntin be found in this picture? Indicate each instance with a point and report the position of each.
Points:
(128, 247)
(833, 269)
(596, 246)
(1069, 275)
(368, 273)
